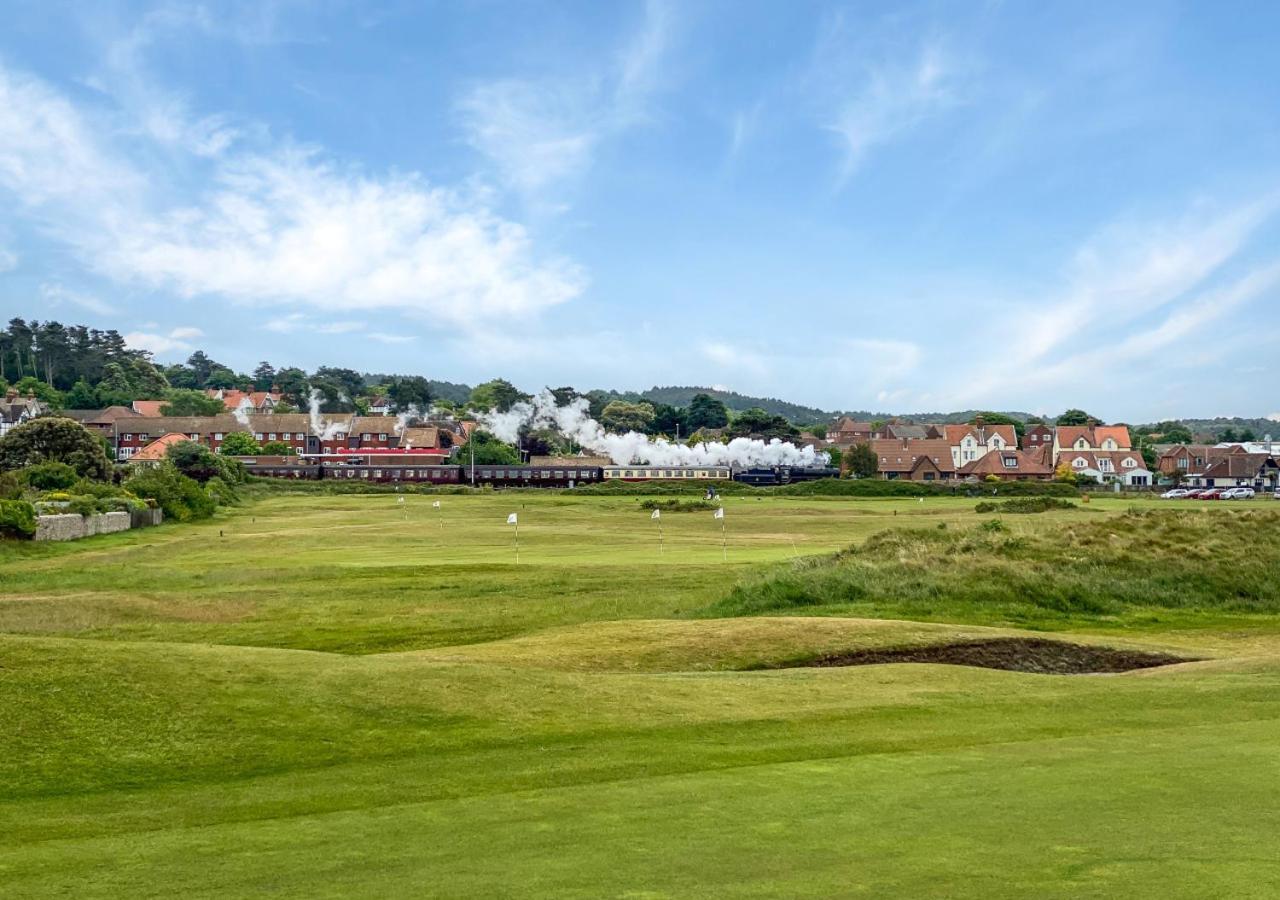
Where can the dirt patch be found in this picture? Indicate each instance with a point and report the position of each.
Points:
(1037, 655)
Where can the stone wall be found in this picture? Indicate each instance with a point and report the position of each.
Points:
(72, 527)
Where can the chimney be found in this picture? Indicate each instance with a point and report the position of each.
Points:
(11, 394)
(979, 420)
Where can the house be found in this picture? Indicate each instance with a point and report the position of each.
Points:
(847, 433)
(1037, 436)
(971, 442)
(914, 460)
(262, 402)
(296, 430)
(152, 408)
(132, 433)
(103, 421)
(1182, 459)
(14, 410)
(1010, 464)
(1260, 471)
(155, 452)
(1089, 437)
(908, 431)
(380, 405)
(1126, 467)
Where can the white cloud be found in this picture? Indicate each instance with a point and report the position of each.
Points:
(383, 338)
(539, 132)
(174, 341)
(276, 225)
(891, 96)
(55, 295)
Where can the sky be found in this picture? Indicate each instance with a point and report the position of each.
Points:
(898, 206)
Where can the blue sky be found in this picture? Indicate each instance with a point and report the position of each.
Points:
(894, 206)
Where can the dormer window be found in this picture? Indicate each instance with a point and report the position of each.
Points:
(1010, 462)
(1078, 462)
(1129, 462)
(1081, 444)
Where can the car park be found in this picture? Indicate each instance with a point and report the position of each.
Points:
(1176, 494)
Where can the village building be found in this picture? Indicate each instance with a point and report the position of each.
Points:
(1036, 436)
(914, 460)
(972, 442)
(1089, 437)
(1126, 467)
(1260, 471)
(1011, 464)
(846, 432)
(15, 410)
(131, 434)
(151, 408)
(261, 402)
(155, 452)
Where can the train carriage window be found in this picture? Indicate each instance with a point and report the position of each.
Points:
(559, 473)
(364, 473)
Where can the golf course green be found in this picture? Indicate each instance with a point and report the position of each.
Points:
(368, 695)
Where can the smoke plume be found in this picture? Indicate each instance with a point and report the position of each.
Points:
(574, 422)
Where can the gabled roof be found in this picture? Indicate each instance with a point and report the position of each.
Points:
(1115, 457)
(1119, 433)
(420, 438)
(111, 414)
(844, 423)
(156, 450)
(994, 463)
(1094, 435)
(1240, 465)
(904, 456)
(149, 407)
(201, 425)
(373, 425)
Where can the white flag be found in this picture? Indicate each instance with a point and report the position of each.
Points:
(720, 513)
(657, 514)
(436, 505)
(511, 519)
(399, 499)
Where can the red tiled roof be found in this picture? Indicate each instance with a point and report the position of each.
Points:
(156, 450)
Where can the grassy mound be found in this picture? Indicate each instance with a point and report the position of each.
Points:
(678, 505)
(1024, 505)
(1188, 560)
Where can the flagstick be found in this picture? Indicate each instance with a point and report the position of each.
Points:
(724, 540)
(517, 542)
(659, 537)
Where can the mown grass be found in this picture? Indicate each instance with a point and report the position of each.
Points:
(212, 710)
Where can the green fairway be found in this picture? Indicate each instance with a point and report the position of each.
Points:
(336, 696)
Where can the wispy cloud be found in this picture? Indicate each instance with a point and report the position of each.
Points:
(56, 295)
(869, 91)
(544, 131)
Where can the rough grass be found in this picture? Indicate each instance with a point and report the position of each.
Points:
(1144, 559)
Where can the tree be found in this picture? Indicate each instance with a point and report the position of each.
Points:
(995, 418)
(1228, 436)
(669, 420)
(707, 412)
(344, 385)
(489, 451)
(1075, 417)
(293, 386)
(50, 476)
(275, 448)
(1065, 473)
(183, 402)
(411, 392)
(498, 394)
(564, 395)
(264, 376)
(81, 396)
(198, 462)
(40, 390)
(860, 461)
(623, 416)
(755, 422)
(55, 439)
(835, 459)
(1247, 436)
(240, 443)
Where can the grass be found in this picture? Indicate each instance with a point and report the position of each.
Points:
(333, 696)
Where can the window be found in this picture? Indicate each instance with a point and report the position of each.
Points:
(1129, 462)
(1182, 463)
(300, 436)
(1010, 462)
(366, 437)
(1078, 463)
(194, 437)
(217, 435)
(271, 436)
(257, 435)
(1104, 465)
(126, 437)
(126, 452)
(382, 437)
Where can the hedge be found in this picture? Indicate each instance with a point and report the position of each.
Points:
(17, 518)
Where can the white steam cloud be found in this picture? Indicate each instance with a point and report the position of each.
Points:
(574, 422)
(241, 412)
(325, 431)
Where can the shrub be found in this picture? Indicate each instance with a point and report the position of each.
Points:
(181, 498)
(55, 439)
(85, 506)
(678, 505)
(1025, 505)
(17, 518)
(49, 476)
(10, 486)
(220, 492)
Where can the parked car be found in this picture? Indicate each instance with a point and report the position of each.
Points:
(1238, 493)
(1176, 494)
(1209, 494)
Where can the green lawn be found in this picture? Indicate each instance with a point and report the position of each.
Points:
(334, 696)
